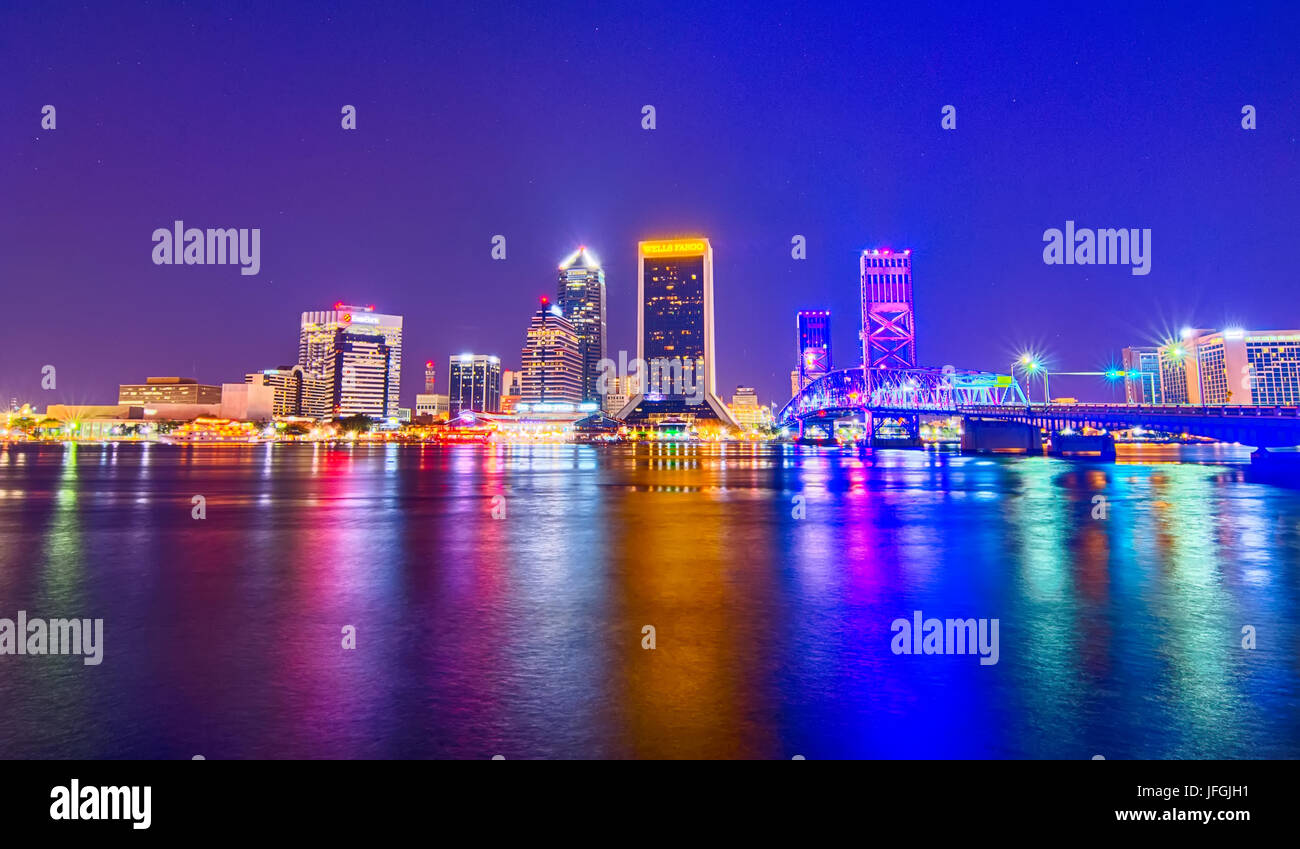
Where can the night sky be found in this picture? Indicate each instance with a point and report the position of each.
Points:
(819, 119)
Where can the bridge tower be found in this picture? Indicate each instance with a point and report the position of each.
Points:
(888, 327)
(888, 321)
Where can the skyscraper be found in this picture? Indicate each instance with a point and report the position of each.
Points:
(474, 383)
(581, 299)
(318, 333)
(359, 371)
(429, 377)
(888, 321)
(552, 365)
(813, 329)
(675, 332)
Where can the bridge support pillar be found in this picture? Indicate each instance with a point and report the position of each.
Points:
(895, 431)
(984, 436)
(1278, 467)
(1100, 445)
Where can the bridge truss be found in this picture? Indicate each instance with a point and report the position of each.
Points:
(902, 391)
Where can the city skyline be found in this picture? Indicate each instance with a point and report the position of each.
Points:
(849, 156)
(914, 382)
(327, 323)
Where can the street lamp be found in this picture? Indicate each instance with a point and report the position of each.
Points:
(1030, 365)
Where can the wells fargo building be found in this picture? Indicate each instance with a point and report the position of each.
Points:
(675, 332)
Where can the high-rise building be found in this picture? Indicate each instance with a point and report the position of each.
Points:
(359, 371)
(429, 375)
(795, 383)
(318, 332)
(1141, 366)
(474, 383)
(675, 333)
(581, 299)
(552, 365)
(1232, 366)
(813, 334)
(888, 320)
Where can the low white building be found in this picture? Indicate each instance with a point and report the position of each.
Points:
(247, 402)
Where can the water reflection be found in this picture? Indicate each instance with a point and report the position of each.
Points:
(499, 595)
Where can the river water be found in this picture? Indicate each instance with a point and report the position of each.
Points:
(500, 598)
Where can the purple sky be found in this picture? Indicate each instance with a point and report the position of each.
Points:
(818, 119)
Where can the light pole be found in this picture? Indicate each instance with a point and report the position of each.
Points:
(1030, 365)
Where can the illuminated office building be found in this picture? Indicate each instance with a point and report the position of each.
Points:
(429, 376)
(318, 333)
(552, 364)
(167, 390)
(359, 370)
(746, 409)
(675, 333)
(474, 383)
(888, 318)
(297, 391)
(618, 391)
(581, 300)
(1233, 367)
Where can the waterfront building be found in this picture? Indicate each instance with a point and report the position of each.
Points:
(474, 383)
(746, 410)
(552, 364)
(297, 392)
(359, 372)
(1233, 366)
(168, 390)
(247, 402)
(431, 406)
(618, 391)
(319, 332)
(675, 338)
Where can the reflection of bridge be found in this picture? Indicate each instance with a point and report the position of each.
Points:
(998, 416)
